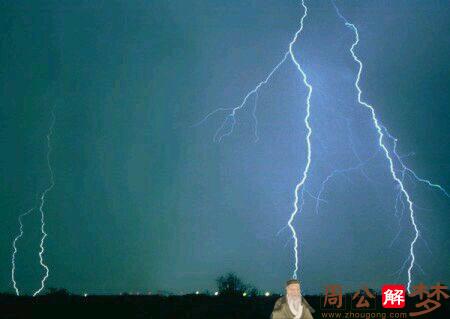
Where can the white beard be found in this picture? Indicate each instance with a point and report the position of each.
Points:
(295, 305)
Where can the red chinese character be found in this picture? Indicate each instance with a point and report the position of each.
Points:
(393, 296)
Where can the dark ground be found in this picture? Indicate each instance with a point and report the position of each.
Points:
(181, 307)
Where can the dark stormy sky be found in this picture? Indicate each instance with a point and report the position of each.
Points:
(143, 201)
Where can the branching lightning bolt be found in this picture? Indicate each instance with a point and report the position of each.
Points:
(231, 117)
(41, 207)
(382, 145)
(13, 258)
(227, 126)
(405, 169)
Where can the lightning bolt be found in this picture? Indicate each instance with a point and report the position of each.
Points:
(405, 169)
(334, 173)
(343, 171)
(13, 258)
(230, 119)
(301, 183)
(398, 199)
(41, 207)
(227, 126)
(382, 145)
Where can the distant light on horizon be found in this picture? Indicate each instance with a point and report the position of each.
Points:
(216, 293)
(244, 294)
(197, 292)
(267, 294)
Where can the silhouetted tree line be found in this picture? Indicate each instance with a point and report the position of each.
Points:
(231, 285)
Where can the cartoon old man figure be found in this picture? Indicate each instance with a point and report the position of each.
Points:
(293, 305)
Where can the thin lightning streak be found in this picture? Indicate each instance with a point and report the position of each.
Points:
(13, 259)
(230, 119)
(399, 218)
(336, 172)
(382, 145)
(352, 145)
(220, 109)
(308, 138)
(427, 181)
(408, 155)
(407, 169)
(41, 207)
(329, 177)
(426, 244)
(315, 197)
